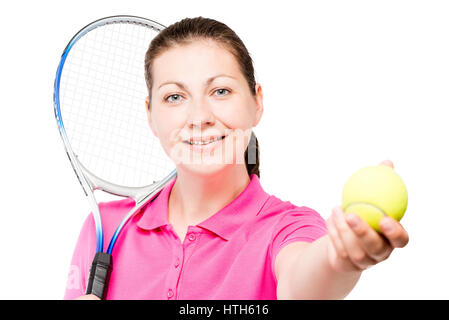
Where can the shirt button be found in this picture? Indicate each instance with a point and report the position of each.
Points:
(192, 237)
(170, 293)
(176, 262)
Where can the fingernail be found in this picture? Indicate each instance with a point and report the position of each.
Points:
(336, 212)
(387, 225)
(352, 220)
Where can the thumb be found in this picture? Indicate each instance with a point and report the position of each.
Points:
(388, 163)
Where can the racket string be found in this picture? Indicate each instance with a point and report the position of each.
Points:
(105, 112)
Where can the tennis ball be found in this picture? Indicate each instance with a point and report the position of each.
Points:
(375, 192)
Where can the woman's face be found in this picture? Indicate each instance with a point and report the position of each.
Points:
(202, 109)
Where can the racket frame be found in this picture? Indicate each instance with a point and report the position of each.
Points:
(89, 181)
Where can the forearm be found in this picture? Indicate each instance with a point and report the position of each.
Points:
(311, 276)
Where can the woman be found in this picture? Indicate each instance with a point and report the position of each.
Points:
(213, 233)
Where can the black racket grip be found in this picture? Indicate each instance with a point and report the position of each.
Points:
(99, 275)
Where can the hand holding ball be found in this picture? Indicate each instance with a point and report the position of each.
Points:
(375, 192)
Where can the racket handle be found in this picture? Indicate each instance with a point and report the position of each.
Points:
(99, 275)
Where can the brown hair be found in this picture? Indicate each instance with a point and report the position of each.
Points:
(189, 29)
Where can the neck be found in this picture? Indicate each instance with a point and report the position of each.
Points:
(194, 198)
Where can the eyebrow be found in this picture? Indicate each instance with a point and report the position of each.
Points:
(206, 83)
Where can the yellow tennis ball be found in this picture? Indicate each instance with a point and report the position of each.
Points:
(375, 192)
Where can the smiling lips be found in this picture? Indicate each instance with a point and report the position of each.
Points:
(201, 141)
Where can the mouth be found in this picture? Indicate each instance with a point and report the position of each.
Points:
(203, 141)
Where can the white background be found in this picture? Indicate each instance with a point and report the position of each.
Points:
(346, 84)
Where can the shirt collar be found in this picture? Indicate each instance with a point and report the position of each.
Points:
(223, 223)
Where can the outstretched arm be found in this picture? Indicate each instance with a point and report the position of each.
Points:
(330, 267)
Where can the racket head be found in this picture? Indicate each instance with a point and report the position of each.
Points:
(99, 102)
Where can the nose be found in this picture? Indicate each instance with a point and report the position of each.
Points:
(200, 115)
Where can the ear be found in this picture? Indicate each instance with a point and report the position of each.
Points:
(259, 104)
(150, 119)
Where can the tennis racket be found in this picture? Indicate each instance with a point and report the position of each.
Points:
(99, 103)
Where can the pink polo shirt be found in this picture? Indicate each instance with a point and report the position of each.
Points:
(230, 255)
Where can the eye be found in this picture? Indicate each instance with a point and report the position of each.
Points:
(221, 92)
(173, 98)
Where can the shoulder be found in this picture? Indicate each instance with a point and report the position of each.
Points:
(289, 223)
(283, 222)
(280, 212)
(116, 206)
(112, 213)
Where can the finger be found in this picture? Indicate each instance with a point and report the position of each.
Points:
(376, 246)
(356, 252)
(335, 238)
(388, 163)
(339, 264)
(338, 255)
(394, 232)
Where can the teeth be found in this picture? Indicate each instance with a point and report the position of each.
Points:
(200, 142)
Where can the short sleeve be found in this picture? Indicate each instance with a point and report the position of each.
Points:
(81, 260)
(298, 224)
